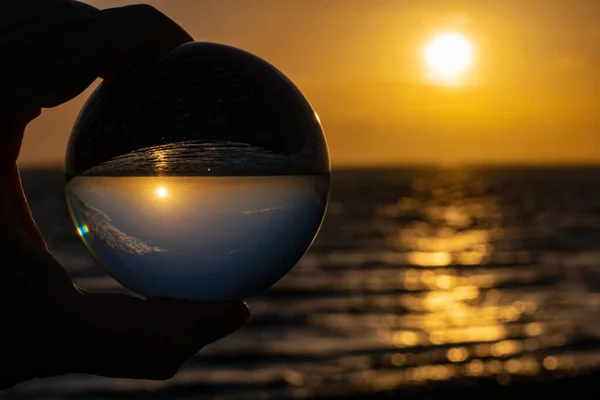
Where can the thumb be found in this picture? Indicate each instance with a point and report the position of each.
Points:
(126, 337)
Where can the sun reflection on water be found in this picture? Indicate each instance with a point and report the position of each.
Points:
(454, 306)
(161, 163)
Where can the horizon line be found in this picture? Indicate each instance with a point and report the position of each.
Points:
(349, 166)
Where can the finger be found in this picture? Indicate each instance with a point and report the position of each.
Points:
(17, 14)
(75, 52)
(48, 64)
(122, 336)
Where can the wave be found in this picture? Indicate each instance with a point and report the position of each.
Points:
(199, 158)
(100, 227)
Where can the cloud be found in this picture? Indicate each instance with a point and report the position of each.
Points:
(100, 228)
(264, 210)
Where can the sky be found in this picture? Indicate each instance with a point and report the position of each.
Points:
(531, 94)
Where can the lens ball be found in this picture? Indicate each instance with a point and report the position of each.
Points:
(200, 175)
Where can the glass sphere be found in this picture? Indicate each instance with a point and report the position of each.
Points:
(200, 175)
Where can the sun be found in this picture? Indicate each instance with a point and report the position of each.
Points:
(448, 56)
(162, 192)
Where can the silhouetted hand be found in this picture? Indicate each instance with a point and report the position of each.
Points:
(50, 51)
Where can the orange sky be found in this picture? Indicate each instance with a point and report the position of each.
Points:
(532, 96)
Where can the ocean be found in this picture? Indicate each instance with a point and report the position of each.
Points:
(423, 283)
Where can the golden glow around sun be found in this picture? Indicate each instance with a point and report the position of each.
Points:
(162, 192)
(448, 56)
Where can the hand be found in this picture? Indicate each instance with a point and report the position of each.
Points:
(50, 51)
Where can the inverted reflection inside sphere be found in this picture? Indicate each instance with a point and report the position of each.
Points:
(202, 175)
